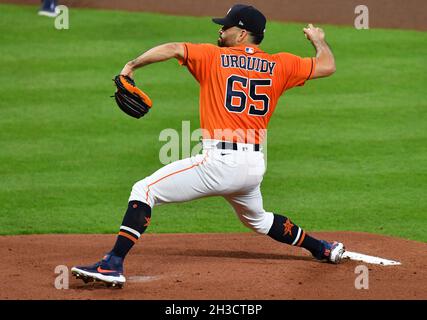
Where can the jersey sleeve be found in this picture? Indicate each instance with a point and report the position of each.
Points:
(296, 70)
(198, 59)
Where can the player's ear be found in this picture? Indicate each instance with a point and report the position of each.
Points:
(243, 34)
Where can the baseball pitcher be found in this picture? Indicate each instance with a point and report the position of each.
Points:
(239, 88)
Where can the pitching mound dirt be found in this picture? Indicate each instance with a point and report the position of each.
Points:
(212, 266)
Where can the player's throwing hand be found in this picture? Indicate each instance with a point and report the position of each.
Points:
(313, 33)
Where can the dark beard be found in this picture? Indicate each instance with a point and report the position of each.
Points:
(222, 42)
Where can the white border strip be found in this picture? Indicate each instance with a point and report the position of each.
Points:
(136, 233)
(297, 237)
(369, 259)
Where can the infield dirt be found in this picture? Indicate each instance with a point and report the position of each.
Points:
(212, 266)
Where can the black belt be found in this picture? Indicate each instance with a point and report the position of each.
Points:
(233, 146)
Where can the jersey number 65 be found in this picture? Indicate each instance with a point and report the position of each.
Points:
(253, 84)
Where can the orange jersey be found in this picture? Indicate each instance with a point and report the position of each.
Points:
(240, 87)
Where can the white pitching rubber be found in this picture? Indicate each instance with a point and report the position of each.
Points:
(369, 259)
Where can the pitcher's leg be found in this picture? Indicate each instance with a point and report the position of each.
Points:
(179, 181)
(176, 182)
(249, 208)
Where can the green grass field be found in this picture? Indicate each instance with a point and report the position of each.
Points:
(344, 153)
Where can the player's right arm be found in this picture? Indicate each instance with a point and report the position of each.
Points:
(324, 60)
(157, 54)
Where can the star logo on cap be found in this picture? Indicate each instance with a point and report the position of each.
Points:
(241, 23)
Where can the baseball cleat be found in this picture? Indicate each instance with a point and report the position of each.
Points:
(49, 13)
(332, 252)
(109, 270)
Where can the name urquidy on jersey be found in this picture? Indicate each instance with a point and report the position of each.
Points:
(247, 63)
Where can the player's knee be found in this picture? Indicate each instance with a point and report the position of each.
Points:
(260, 223)
(139, 192)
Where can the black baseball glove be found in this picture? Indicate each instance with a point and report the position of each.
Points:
(131, 99)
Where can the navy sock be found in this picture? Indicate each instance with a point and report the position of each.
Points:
(49, 5)
(135, 222)
(285, 231)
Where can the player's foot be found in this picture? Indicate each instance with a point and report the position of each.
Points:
(332, 251)
(49, 13)
(109, 270)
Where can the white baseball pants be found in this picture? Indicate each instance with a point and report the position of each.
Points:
(235, 175)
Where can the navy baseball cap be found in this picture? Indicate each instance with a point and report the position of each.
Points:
(245, 17)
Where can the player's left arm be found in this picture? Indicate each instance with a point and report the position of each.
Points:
(324, 60)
